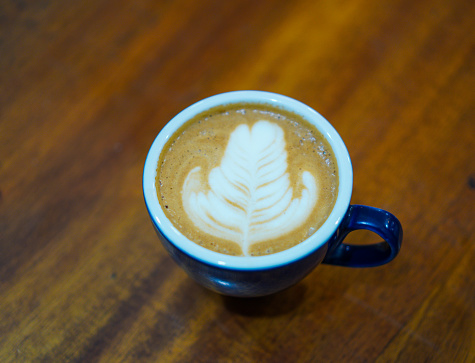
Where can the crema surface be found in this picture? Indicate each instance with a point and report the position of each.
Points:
(247, 179)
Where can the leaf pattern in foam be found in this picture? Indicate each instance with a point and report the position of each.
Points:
(248, 198)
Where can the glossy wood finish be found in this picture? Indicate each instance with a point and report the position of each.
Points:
(86, 85)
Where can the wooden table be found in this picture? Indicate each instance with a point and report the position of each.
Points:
(85, 86)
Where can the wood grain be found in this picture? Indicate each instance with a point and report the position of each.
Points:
(86, 86)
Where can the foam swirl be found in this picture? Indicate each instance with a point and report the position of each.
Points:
(248, 198)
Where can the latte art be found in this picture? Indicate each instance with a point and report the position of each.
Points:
(247, 179)
(249, 197)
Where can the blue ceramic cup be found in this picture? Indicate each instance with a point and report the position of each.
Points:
(264, 275)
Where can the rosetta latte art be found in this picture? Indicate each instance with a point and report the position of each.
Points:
(248, 198)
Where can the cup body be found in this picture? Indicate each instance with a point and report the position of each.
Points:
(248, 276)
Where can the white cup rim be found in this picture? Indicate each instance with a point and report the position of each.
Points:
(314, 242)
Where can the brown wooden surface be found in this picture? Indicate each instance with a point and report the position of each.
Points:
(85, 86)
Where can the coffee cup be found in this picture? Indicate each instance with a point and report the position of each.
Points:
(239, 239)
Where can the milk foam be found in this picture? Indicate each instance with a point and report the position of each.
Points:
(248, 198)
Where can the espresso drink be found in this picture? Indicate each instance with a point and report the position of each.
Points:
(247, 179)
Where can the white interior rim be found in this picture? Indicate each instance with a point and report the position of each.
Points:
(261, 262)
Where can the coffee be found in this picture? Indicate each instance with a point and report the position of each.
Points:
(247, 179)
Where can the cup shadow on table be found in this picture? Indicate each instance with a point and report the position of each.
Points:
(273, 305)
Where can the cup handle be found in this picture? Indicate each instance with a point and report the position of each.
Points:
(375, 220)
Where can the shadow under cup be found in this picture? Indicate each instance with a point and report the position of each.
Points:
(264, 275)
